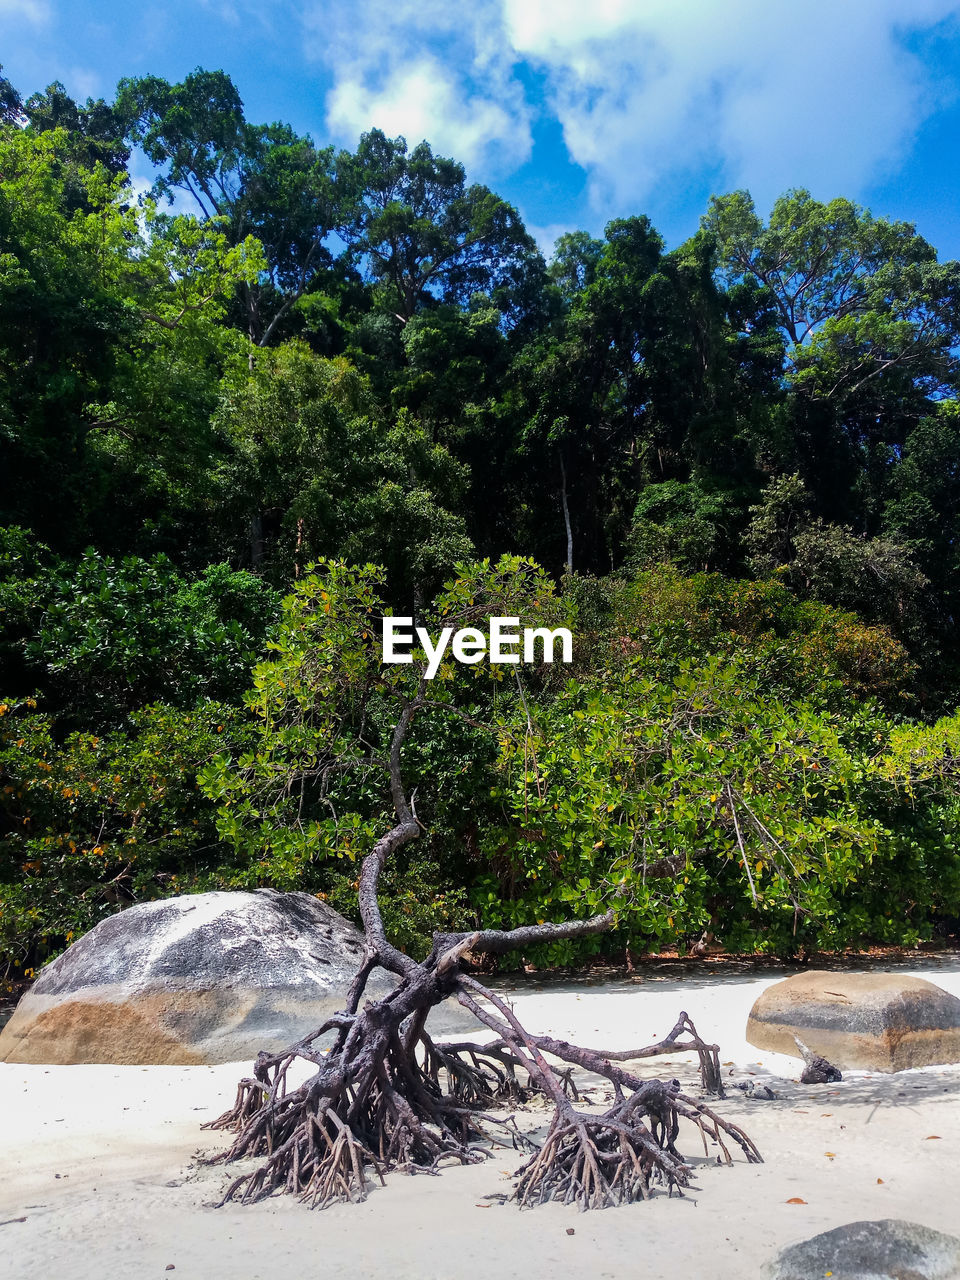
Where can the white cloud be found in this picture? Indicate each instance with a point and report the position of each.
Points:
(423, 101)
(36, 12)
(547, 237)
(649, 93)
(425, 70)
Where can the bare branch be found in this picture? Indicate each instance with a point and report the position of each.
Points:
(497, 942)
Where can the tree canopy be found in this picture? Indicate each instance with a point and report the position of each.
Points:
(290, 389)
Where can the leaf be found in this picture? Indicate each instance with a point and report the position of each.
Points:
(931, 1137)
(796, 1200)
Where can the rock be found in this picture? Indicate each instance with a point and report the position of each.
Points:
(756, 1089)
(198, 979)
(872, 1251)
(868, 1021)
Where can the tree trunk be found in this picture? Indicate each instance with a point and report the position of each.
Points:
(566, 513)
(256, 540)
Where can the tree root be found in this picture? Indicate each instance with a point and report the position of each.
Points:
(599, 1161)
(386, 1097)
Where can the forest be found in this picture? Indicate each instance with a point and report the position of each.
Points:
(275, 391)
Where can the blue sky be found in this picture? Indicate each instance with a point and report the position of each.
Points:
(576, 110)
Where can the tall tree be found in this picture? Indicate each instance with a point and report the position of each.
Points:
(109, 342)
(95, 127)
(423, 234)
(871, 321)
(260, 180)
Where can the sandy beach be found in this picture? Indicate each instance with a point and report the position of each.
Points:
(100, 1176)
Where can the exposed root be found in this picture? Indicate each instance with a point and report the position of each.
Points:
(320, 1139)
(386, 1097)
(477, 1075)
(599, 1161)
(378, 1102)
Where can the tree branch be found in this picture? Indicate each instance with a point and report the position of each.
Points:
(497, 942)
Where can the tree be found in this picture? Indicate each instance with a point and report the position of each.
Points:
(107, 638)
(857, 297)
(11, 104)
(871, 322)
(877, 577)
(423, 234)
(637, 381)
(573, 267)
(91, 822)
(315, 471)
(385, 1095)
(95, 128)
(683, 523)
(922, 514)
(264, 181)
(109, 342)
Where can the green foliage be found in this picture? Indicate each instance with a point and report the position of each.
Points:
(343, 359)
(714, 768)
(103, 637)
(858, 297)
(677, 522)
(305, 804)
(95, 822)
(830, 562)
(800, 649)
(423, 232)
(311, 461)
(109, 327)
(683, 802)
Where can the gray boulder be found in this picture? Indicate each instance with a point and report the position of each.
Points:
(872, 1251)
(198, 979)
(867, 1021)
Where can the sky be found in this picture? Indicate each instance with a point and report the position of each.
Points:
(577, 111)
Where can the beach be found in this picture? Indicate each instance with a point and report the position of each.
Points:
(101, 1176)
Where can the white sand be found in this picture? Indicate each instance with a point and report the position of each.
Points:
(99, 1162)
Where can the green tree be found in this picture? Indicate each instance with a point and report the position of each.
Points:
(109, 326)
(871, 322)
(423, 234)
(264, 181)
(95, 128)
(315, 471)
(94, 822)
(108, 637)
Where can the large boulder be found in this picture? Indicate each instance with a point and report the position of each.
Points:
(203, 978)
(870, 1021)
(872, 1251)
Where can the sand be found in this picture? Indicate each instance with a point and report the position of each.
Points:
(99, 1162)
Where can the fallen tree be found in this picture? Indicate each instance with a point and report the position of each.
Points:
(386, 1097)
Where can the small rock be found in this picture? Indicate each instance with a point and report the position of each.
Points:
(816, 1070)
(886, 1250)
(756, 1089)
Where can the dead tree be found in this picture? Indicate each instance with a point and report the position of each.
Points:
(385, 1096)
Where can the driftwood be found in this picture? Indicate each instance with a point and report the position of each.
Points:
(385, 1096)
(816, 1070)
